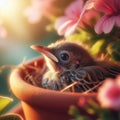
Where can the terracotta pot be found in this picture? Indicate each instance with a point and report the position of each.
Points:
(39, 103)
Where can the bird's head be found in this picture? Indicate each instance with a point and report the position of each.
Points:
(64, 55)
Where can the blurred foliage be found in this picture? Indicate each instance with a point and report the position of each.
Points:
(107, 44)
(92, 110)
(4, 102)
(97, 46)
(113, 50)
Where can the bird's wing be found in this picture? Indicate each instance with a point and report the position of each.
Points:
(90, 76)
(98, 72)
(113, 69)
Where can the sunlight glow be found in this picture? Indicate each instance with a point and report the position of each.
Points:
(4, 4)
(11, 14)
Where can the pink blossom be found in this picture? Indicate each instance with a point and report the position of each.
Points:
(3, 31)
(82, 102)
(68, 23)
(89, 18)
(109, 94)
(76, 16)
(37, 9)
(111, 18)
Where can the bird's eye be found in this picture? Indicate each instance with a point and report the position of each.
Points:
(64, 56)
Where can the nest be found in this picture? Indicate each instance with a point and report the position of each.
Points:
(33, 75)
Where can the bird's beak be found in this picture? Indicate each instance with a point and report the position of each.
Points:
(45, 51)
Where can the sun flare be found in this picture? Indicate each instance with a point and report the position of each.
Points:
(11, 15)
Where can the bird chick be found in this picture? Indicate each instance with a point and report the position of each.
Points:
(68, 62)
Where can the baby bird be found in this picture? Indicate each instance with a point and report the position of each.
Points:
(68, 63)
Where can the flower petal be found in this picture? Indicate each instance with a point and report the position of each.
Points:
(118, 21)
(105, 6)
(108, 94)
(74, 8)
(88, 5)
(68, 23)
(108, 24)
(99, 26)
(63, 24)
(3, 32)
(71, 29)
(33, 14)
(118, 3)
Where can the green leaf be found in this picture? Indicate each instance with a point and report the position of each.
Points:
(81, 36)
(107, 114)
(114, 50)
(4, 102)
(76, 114)
(11, 117)
(96, 48)
(74, 111)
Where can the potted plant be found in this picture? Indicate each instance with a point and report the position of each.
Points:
(39, 103)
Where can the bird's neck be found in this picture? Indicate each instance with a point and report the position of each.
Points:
(52, 66)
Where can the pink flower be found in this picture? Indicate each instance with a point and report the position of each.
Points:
(111, 18)
(82, 102)
(38, 9)
(89, 19)
(3, 31)
(77, 14)
(109, 94)
(68, 23)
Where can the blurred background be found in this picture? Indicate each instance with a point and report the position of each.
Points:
(18, 31)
